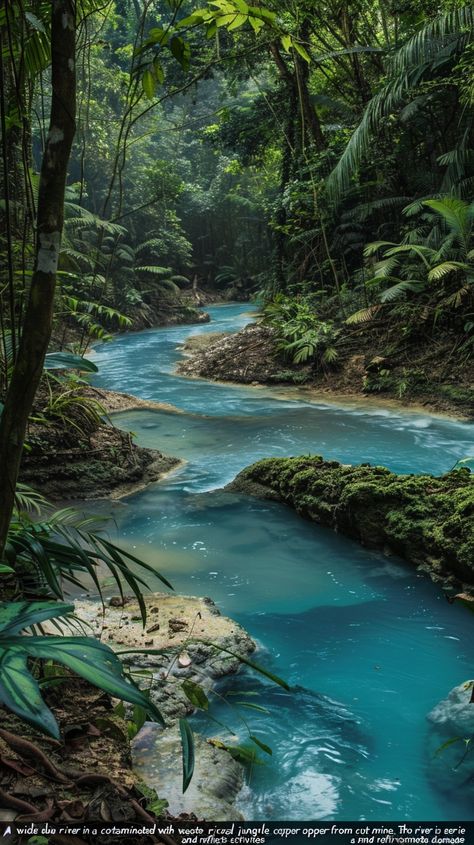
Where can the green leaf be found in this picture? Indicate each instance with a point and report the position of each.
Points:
(447, 744)
(92, 660)
(302, 51)
(35, 22)
(260, 669)
(195, 694)
(158, 36)
(256, 23)
(187, 743)
(246, 756)
(263, 12)
(251, 706)
(20, 693)
(211, 29)
(158, 71)
(5, 569)
(286, 42)
(148, 84)
(265, 748)
(68, 361)
(238, 21)
(14, 616)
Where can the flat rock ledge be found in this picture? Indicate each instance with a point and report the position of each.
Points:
(425, 519)
(186, 630)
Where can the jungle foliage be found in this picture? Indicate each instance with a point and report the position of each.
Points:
(316, 154)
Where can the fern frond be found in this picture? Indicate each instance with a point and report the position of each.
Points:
(446, 268)
(397, 290)
(157, 271)
(365, 315)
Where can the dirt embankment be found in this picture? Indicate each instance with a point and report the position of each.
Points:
(427, 374)
(77, 457)
(427, 520)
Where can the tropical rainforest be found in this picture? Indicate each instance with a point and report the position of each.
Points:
(284, 192)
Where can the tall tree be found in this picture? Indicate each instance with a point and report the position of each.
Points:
(50, 215)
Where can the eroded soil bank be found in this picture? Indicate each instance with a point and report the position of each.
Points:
(424, 374)
(79, 458)
(425, 519)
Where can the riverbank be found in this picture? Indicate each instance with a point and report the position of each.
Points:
(426, 520)
(78, 457)
(94, 772)
(426, 376)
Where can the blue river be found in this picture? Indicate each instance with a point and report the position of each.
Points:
(368, 644)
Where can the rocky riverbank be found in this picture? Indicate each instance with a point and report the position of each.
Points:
(93, 773)
(184, 629)
(426, 375)
(426, 520)
(191, 638)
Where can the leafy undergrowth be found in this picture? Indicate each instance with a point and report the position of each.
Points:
(427, 520)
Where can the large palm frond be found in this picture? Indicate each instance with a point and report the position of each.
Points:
(423, 55)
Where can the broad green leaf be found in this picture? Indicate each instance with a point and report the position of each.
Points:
(158, 36)
(92, 660)
(286, 42)
(187, 742)
(238, 21)
(20, 693)
(262, 11)
(148, 84)
(68, 361)
(242, 6)
(195, 694)
(302, 51)
(14, 616)
(256, 23)
(211, 30)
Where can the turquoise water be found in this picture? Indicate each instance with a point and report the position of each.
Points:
(369, 645)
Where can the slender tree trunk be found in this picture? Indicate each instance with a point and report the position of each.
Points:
(39, 313)
(285, 176)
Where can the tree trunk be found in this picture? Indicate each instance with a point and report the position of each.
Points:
(39, 314)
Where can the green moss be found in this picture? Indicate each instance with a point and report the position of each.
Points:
(427, 520)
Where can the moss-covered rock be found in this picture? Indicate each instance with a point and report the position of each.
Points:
(427, 520)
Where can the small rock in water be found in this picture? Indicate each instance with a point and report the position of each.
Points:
(184, 660)
(456, 712)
